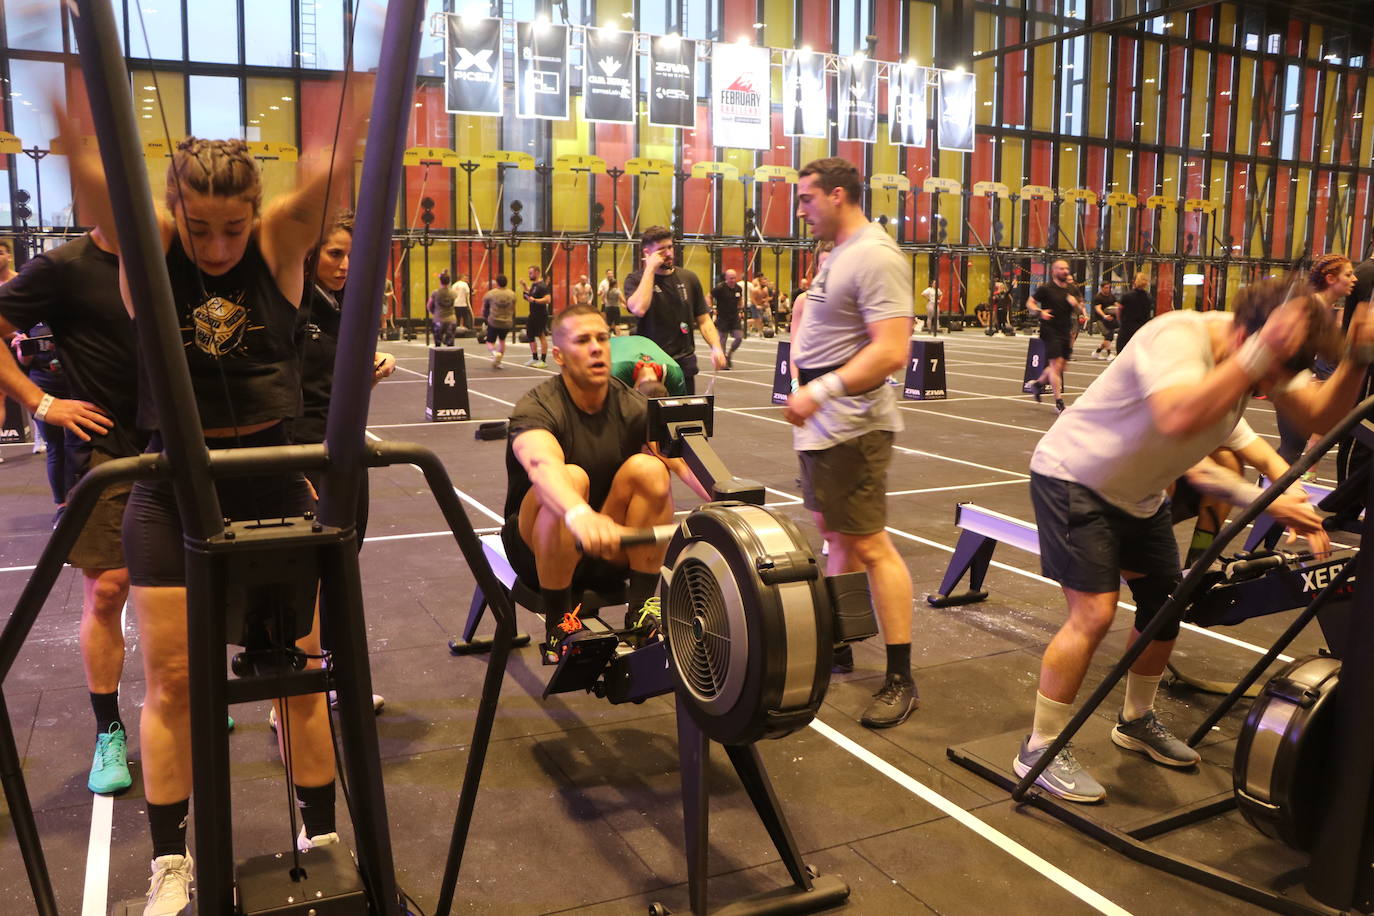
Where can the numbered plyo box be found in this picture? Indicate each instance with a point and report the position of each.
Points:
(447, 395)
(925, 372)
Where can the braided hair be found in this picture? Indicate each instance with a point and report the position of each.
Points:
(218, 168)
(1325, 269)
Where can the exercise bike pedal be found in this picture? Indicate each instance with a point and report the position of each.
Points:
(583, 656)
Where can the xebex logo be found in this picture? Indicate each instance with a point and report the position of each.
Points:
(1317, 579)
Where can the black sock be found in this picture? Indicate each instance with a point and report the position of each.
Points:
(317, 808)
(167, 823)
(641, 588)
(557, 602)
(899, 659)
(106, 706)
(534, 351)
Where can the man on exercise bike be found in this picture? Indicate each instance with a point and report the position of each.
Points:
(579, 472)
(1098, 479)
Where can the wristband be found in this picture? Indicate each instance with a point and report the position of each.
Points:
(42, 412)
(794, 386)
(576, 511)
(1255, 357)
(825, 388)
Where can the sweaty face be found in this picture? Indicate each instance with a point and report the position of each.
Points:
(582, 347)
(1060, 271)
(818, 209)
(214, 231)
(331, 269)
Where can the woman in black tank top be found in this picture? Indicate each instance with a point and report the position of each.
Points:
(237, 271)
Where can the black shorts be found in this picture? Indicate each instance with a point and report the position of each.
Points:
(495, 334)
(98, 547)
(153, 544)
(1086, 543)
(591, 572)
(1058, 344)
(612, 316)
(538, 325)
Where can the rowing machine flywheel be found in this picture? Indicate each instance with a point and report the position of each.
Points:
(748, 622)
(1283, 754)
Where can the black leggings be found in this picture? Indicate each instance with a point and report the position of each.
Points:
(153, 543)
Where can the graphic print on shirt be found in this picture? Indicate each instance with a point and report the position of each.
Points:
(218, 325)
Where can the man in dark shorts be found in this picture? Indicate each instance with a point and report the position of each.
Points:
(75, 290)
(540, 297)
(1056, 305)
(498, 311)
(1098, 480)
(670, 305)
(1000, 306)
(1104, 308)
(849, 332)
(726, 298)
(580, 471)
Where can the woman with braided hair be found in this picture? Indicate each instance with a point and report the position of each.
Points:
(237, 270)
(1330, 280)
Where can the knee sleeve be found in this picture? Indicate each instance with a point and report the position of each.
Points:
(1149, 594)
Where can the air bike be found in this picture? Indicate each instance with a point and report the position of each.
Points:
(747, 634)
(1301, 767)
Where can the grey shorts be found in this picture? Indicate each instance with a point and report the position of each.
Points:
(1086, 543)
(99, 545)
(847, 483)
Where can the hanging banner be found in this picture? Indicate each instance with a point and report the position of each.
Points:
(957, 97)
(803, 94)
(858, 90)
(740, 102)
(906, 105)
(541, 72)
(472, 66)
(608, 80)
(672, 82)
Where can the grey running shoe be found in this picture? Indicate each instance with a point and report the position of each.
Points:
(1064, 778)
(1149, 736)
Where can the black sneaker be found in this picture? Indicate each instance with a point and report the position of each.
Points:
(1035, 389)
(893, 702)
(843, 660)
(1058, 404)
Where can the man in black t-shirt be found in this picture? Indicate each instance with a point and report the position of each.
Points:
(540, 297)
(1104, 312)
(726, 298)
(1000, 304)
(671, 305)
(580, 472)
(1056, 305)
(74, 289)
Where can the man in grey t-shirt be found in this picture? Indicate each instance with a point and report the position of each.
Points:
(850, 332)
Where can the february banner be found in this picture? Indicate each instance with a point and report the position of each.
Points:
(541, 71)
(672, 82)
(608, 80)
(740, 96)
(906, 105)
(957, 94)
(803, 94)
(472, 66)
(858, 90)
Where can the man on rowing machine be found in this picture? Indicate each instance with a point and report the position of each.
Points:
(1098, 479)
(579, 472)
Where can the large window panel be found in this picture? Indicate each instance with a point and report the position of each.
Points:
(271, 106)
(32, 83)
(212, 28)
(267, 25)
(322, 34)
(216, 107)
(34, 26)
(155, 29)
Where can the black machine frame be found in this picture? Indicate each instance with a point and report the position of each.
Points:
(1337, 878)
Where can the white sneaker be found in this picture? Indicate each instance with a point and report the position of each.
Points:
(305, 843)
(169, 891)
(496, 360)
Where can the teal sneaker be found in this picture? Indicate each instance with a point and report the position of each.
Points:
(110, 766)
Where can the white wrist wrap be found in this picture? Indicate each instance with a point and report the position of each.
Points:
(826, 387)
(577, 510)
(1254, 357)
(41, 413)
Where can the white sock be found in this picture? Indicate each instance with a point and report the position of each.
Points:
(1140, 695)
(1051, 717)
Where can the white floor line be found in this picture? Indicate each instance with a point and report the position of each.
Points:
(972, 464)
(425, 534)
(954, 416)
(490, 397)
(967, 486)
(430, 424)
(95, 900)
(371, 435)
(1003, 842)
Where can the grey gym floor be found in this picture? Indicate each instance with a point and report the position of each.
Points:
(579, 809)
